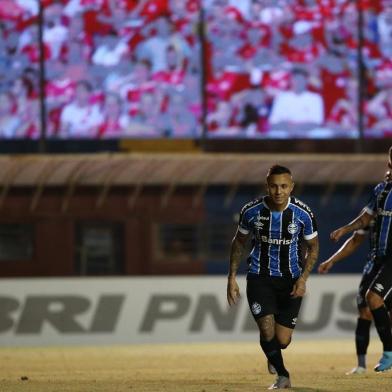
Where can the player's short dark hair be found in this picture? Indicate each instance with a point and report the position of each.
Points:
(278, 169)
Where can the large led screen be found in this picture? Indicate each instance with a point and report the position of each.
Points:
(290, 68)
(273, 69)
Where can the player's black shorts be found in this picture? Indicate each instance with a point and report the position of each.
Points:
(271, 295)
(369, 273)
(382, 282)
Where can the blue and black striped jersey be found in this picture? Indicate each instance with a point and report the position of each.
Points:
(380, 205)
(277, 237)
(369, 230)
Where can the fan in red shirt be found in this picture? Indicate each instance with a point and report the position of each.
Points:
(12, 11)
(225, 82)
(26, 108)
(349, 31)
(222, 120)
(31, 47)
(383, 73)
(101, 16)
(9, 121)
(334, 73)
(115, 121)
(60, 88)
(343, 116)
(184, 16)
(276, 79)
(316, 11)
(301, 48)
(253, 109)
(150, 10)
(380, 110)
(257, 37)
(177, 120)
(78, 34)
(175, 72)
(146, 121)
(139, 83)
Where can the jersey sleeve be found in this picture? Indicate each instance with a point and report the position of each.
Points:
(310, 225)
(243, 224)
(371, 206)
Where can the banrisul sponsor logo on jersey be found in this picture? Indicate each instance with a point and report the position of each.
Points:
(276, 241)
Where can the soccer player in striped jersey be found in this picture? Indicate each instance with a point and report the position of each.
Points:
(281, 228)
(379, 208)
(364, 321)
(370, 270)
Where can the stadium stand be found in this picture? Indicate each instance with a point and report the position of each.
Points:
(145, 213)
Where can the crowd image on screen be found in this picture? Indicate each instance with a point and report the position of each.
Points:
(303, 56)
(19, 57)
(113, 69)
(133, 68)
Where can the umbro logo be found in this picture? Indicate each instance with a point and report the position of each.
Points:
(258, 223)
(294, 321)
(379, 287)
(256, 308)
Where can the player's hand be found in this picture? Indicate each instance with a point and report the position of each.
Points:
(299, 288)
(337, 234)
(233, 291)
(324, 267)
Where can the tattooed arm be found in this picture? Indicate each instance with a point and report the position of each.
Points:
(299, 288)
(359, 222)
(236, 253)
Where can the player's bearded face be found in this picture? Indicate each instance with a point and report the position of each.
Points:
(279, 188)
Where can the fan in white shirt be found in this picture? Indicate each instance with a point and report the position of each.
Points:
(297, 109)
(80, 118)
(110, 52)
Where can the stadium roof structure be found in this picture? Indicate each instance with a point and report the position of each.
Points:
(129, 169)
(201, 170)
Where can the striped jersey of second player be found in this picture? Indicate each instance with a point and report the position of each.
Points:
(277, 237)
(380, 205)
(370, 259)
